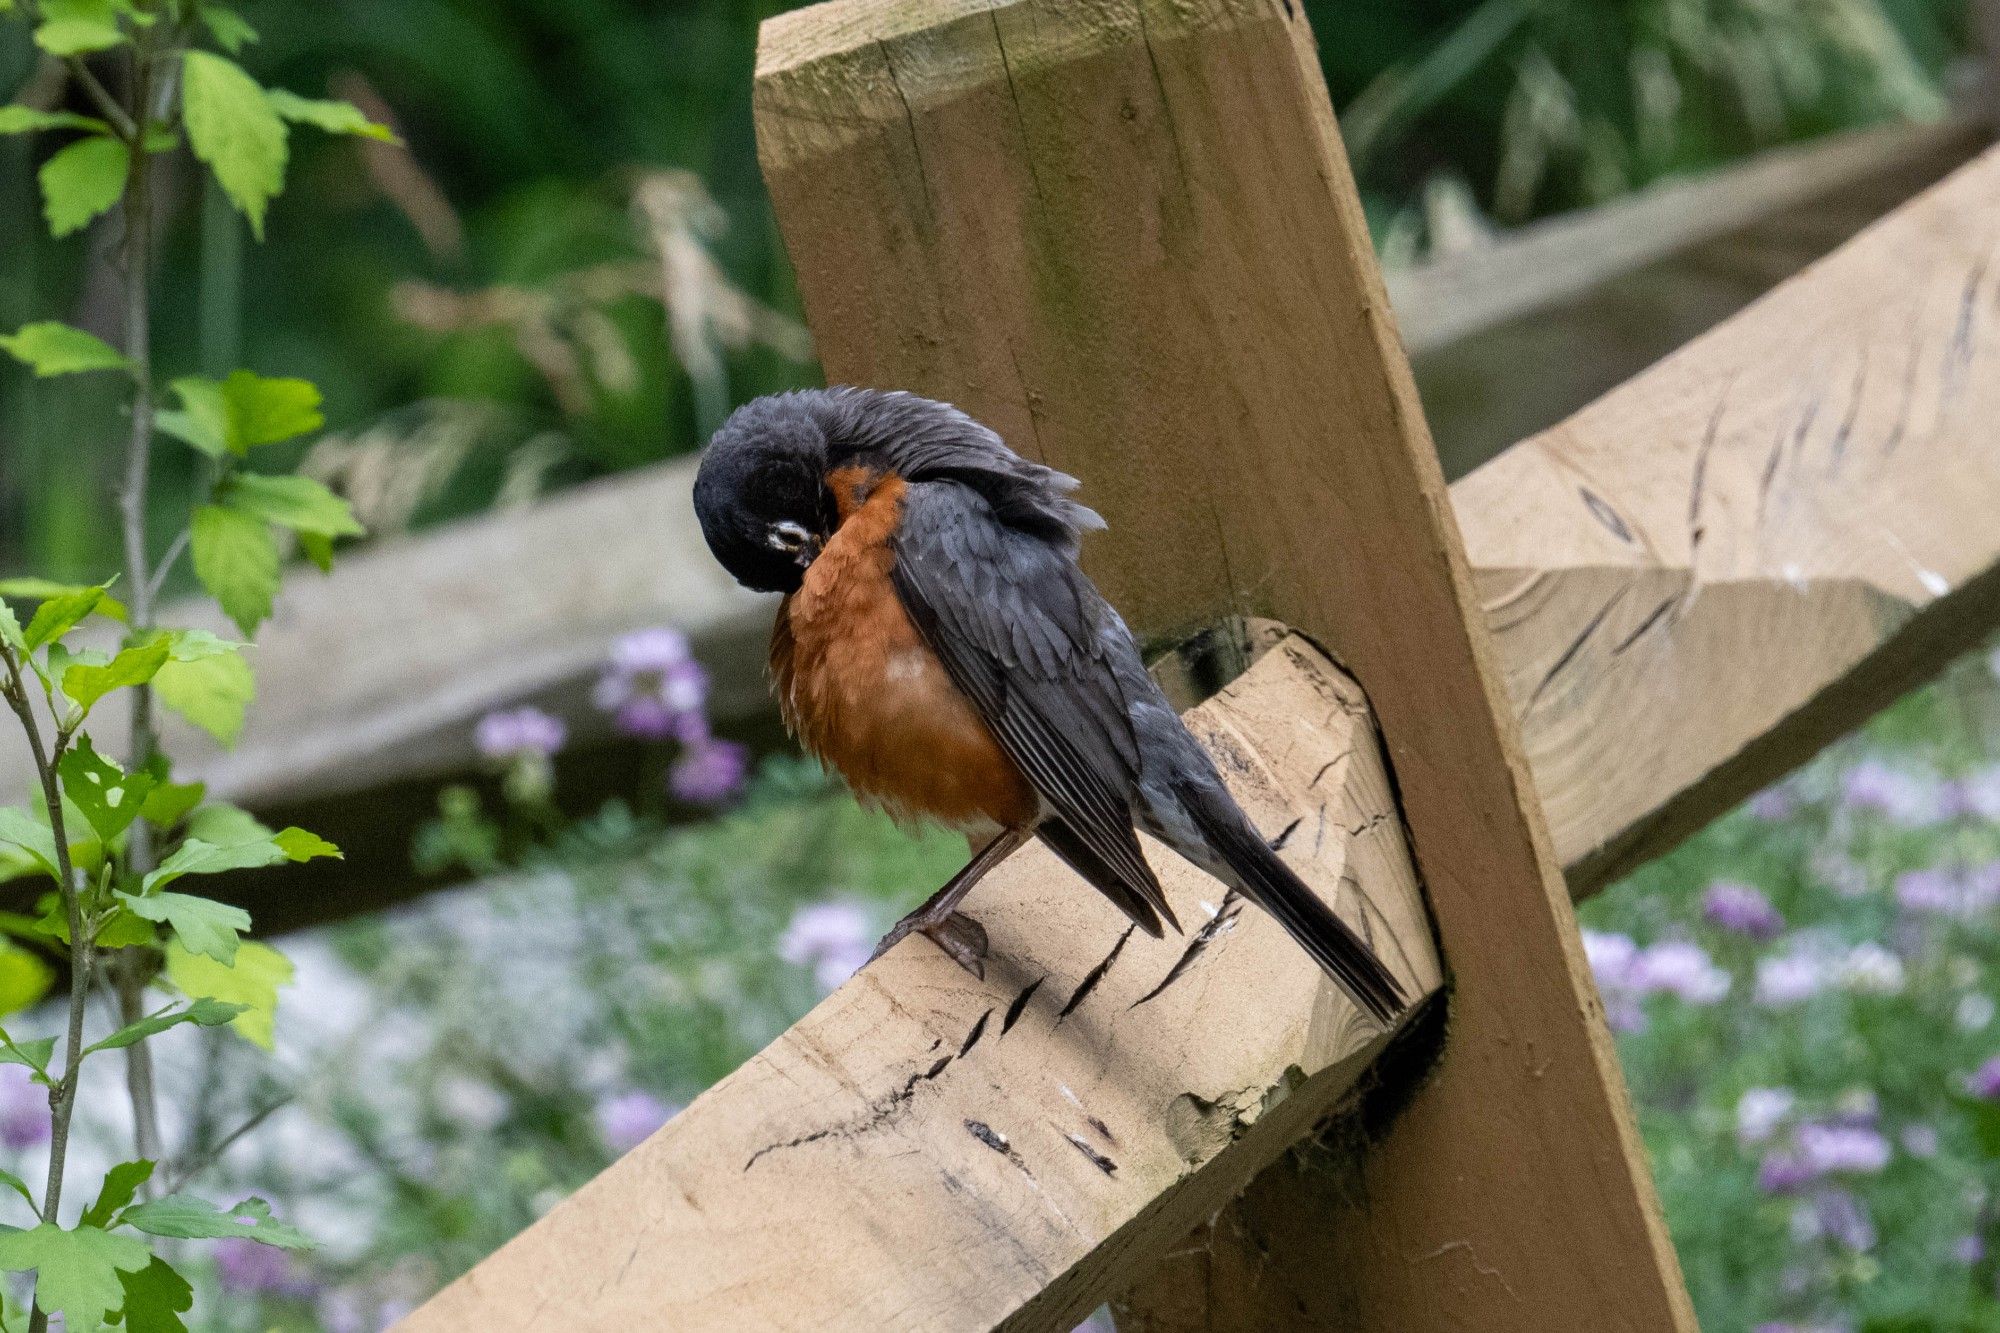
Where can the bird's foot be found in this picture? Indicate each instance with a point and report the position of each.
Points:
(962, 939)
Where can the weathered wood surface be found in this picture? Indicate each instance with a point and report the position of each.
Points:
(1550, 262)
(1736, 556)
(1125, 235)
(1695, 583)
(925, 1151)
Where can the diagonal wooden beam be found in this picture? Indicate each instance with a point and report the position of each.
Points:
(924, 1151)
(1125, 234)
(1698, 710)
(1695, 583)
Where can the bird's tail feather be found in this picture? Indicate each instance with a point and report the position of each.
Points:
(1272, 885)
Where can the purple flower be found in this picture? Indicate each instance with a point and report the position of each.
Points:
(1759, 1112)
(1975, 1011)
(1931, 892)
(506, 736)
(655, 690)
(1614, 961)
(1969, 1250)
(1870, 969)
(24, 1109)
(1783, 1173)
(1791, 978)
(1832, 1149)
(1741, 908)
(1985, 1081)
(630, 1118)
(1978, 794)
(1611, 958)
(1683, 969)
(244, 1266)
(832, 938)
(1773, 805)
(1920, 1140)
(1909, 799)
(1834, 1215)
(710, 772)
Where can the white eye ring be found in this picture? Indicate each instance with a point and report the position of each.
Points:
(788, 537)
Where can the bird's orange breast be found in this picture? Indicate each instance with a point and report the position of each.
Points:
(861, 690)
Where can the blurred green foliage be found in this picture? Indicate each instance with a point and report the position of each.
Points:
(530, 124)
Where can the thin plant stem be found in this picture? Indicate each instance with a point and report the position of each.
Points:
(62, 1095)
(132, 971)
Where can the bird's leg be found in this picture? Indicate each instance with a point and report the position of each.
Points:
(962, 938)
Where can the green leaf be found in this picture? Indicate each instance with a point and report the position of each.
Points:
(76, 1272)
(333, 117)
(60, 614)
(155, 1298)
(85, 685)
(41, 590)
(109, 797)
(197, 645)
(196, 857)
(231, 33)
(204, 925)
(19, 829)
(49, 348)
(203, 420)
(268, 410)
(299, 845)
(236, 559)
(124, 931)
(317, 549)
(27, 120)
(78, 27)
(206, 1013)
(170, 802)
(10, 629)
(233, 127)
(252, 981)
(121, 1186)
(34, 1054)
(238, 414)
(221, 824)
(188, 1218)
(298, 503)
(25, 979)
(82, 181)
(214, 693)
(20, 1187)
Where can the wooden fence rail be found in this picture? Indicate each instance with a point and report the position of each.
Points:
(1124, 233)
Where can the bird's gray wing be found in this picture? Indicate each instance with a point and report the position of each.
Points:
(1027, 638)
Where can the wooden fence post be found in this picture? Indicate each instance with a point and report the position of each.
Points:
(1126, 235)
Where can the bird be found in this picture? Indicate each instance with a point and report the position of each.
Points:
(939, 645)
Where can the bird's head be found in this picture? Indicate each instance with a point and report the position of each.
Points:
(761, 493)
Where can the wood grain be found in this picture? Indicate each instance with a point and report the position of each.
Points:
(1125, 235)
(925, 1151)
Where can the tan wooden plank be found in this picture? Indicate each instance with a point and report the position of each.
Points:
(1125, 234)
(1545, 263)
(1806, 530)
(924, 1151)
(1694, 583)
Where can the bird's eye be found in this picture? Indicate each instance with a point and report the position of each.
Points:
(788, 536)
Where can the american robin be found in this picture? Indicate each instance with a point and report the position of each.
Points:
(940, 647)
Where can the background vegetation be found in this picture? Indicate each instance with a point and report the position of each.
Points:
(573, 270)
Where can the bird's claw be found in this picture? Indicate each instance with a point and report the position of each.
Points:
(962, 939)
